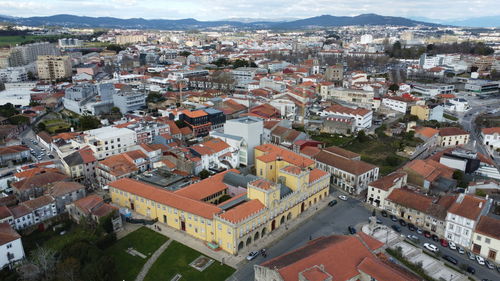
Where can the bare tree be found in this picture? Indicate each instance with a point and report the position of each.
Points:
(68, 270)
(45, 260)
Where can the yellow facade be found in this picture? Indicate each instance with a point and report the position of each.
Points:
(234, 236)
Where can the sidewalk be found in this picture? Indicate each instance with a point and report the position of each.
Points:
(235, 260)
(152, 260)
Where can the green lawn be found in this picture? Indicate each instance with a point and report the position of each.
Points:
(143, 240)
(332, 139)
(16, 39)
(176, 259)
(56, 125)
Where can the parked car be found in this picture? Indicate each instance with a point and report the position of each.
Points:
(460, 250)
(427, 234)
(411, 227)
(444, 243)
(470, 269)
(480, 260)
(435, 237)
(412, 237)
(252, 255)
(51, 156)
(452, 245)
(379, 221)
(351, 229)
(419, 230)
(471, 256)
(489, 264)
(393, 218)
(396, 228)
(450, 259)
(343, 197)
(431, 247)
(384, 213)
(498, 268)
(332, 203)
(402, 222)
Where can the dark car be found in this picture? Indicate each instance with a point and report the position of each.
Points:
(412, 227)
(51, 156)
(352, 230)
(396, 228)
(332, 203)
(450, 259)
(471, 269)
(383, 213)
(393, 218)
(427, 234)
(435, 237)
(402, 222)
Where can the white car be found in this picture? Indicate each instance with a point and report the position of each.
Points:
(480, 260)
(343, 197)
(452, 245)
(252, 255)
(431, 247)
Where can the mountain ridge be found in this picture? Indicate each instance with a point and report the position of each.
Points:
(67, 20)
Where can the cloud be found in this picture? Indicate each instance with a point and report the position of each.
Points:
(222, 9)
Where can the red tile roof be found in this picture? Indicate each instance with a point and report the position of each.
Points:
(7, 233)
(489, 226)
(206, 187)
(242, 211)
(469, 207)
(275, 152)
(385, 183)
(166, 197)
(410, 199)
(491, 131)
(316, 174)
(451, 131)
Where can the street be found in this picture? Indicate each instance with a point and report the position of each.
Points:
(335, 220)
(330, 220)
(482, 272)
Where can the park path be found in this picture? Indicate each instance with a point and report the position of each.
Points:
(152, 260)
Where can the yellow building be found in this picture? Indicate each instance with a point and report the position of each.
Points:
(287, 185)
(52, 68)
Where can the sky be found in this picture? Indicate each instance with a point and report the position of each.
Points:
(264, 9)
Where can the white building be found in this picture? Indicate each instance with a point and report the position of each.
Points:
(363, 116)
(216, 154)
(462, 217)
(109, 141)
(13, 74)
(457, 104)
(398, 104)
(432, 90)
(11, 247)
(251, 130)
(491, 137)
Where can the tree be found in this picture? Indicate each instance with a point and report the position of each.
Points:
(392, 160)
(45, 260)
(115, 47)
(41, 126)
(458, 175)
(89, 122)
(115, 110)
(362, 137)
(204, 174)
(155, 97)
(68, 270)
(394, 87)
(19, 120)
(240, 63)
(31, 76)
(221, 62)
(184, 54)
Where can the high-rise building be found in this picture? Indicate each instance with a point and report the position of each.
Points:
(29, 53)
(335, 73)
(52, 68)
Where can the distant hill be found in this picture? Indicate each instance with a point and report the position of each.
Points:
(183, 24)
(487, 21)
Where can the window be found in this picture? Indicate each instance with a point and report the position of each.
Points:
(219, 226)
(478, 237)
(487, 240)
(9, 246)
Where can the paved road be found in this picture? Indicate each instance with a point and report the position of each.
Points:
(330, 220)
(38, 148)
(482, 272)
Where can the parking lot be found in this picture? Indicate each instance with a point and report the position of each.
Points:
(481, 271)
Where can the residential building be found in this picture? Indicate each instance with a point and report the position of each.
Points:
(25, 54)
(361, 98)
(42, 208)
(491, 137)
(289, 185)
(452, 136)
(122, 165)
(432, 90)
(486, 239)
(399, 104)
(456, 104)
(336, 257)
(335, 73)
(128, 101)
(23, 216)
(13, 74)
(130, 39)
(216, 118)
(348, 172)
(463, 216)
(197, 121)
(36, 185)
(336, 124)
(107, 141)
(251, 129)
(14, 154)
(11, 246)
(363, 116)
(146, 131)
(427, 173)
(52, 68)
(70, 43)
(94, 208)
(66, 192)
(428, 112)
(80, 165)
(215, 154)
(285, 136)
(381, 188)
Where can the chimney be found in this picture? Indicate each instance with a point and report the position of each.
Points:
(480, 205)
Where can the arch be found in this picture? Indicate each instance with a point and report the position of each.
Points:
(282, 220)
(263, 232)
(273, 225)
(302, 207)
(249, 240)
(320, 196)
(241, 245)
(315, 200)
(256, 236)
(289, 216)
